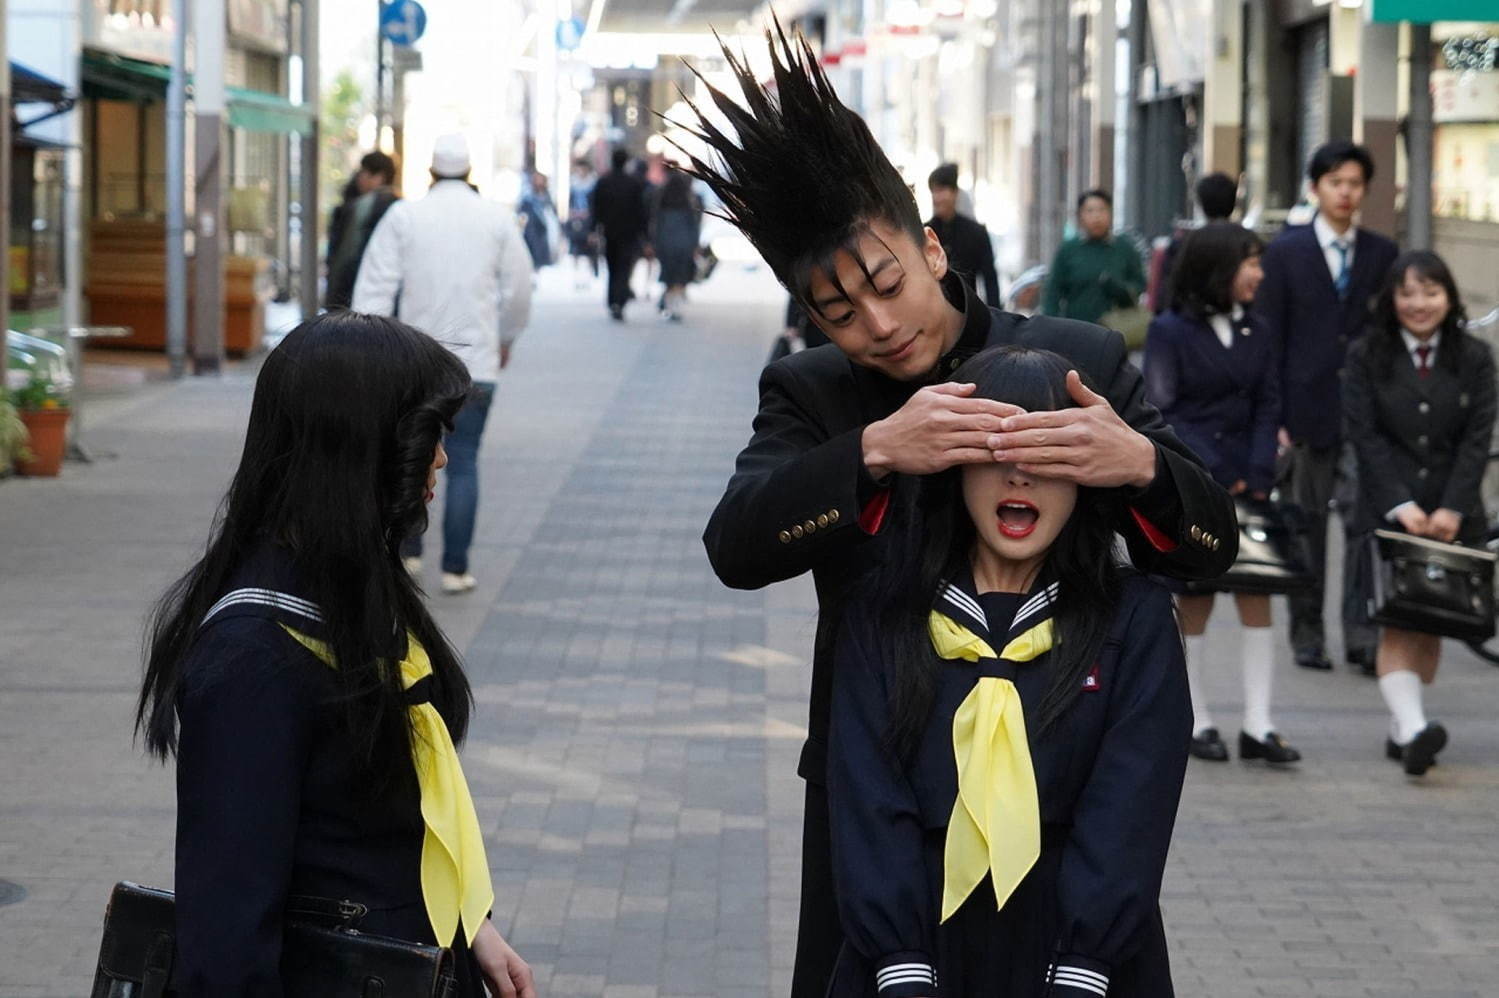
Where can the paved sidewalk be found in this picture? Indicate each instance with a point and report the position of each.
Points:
(634, 750)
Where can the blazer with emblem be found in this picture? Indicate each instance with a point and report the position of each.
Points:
(1313, 327)
(1108, 772)
(1421, 439)
(1224, 403)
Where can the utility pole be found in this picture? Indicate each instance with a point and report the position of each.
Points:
(5, 174)
(1418, 138)
(208, 189)
(307, 291)
(379, 72)
(177, 194)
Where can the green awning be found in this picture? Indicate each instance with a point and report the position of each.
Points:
(1427, 11)
(107, 76)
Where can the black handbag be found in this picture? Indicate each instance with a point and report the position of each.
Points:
(1271, 558)
(324, 955)
(1424, 585)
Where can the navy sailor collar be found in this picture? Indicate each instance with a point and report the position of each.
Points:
(958, 599)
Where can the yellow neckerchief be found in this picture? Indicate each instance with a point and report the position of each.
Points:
(995, 828)
(455, 872)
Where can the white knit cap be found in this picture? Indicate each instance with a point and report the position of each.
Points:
(450, 155)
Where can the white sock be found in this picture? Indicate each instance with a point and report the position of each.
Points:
(1402, 694)
(1258, 654)
(1197, 645)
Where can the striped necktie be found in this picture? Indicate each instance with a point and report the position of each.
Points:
(1345, 273)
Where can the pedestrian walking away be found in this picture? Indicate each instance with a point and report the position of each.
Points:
(618, 207)
(1419, 405)
(676, 226)
(542, 230)
(1213, 371)
(582, 240)
(1096, 272)
(454, 265)
(1008, 740)
(966, 241)
(839, 429)
(1314, 300)
(369, 195)
(306, 765)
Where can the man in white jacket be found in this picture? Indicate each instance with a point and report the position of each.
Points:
(453, 265)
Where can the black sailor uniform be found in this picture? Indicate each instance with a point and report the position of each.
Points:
(269, 803)
(1085, 921)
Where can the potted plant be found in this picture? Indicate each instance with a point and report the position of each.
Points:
(43, 408)
(13, 436)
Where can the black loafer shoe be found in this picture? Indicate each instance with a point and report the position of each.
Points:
(1361, 660)
(1394, 753)
(1274, 749)
(1312, 658)
(1207, 745)
(1420, 753)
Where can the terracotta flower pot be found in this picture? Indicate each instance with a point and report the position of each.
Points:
(49, 439)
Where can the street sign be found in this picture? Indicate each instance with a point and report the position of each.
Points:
(570, 33)
(402, 21)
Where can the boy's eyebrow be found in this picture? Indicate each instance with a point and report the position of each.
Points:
(885, 264)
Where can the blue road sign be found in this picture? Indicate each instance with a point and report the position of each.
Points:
(402, 21)
(570, 33)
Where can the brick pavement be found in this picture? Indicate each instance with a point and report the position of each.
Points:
(633, 755)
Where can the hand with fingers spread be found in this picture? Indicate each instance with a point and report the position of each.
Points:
(1089, 445)
(505, 973)
(939, 427)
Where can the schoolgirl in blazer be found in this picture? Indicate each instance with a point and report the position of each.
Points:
(1005, 758)
(311, 703)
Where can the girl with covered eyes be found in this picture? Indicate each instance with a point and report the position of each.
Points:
(1009, 737)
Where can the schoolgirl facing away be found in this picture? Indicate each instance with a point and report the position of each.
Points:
(310, 700)
(1009, 739)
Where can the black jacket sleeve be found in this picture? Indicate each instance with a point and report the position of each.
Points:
(1371, 449)
(1194, 530)
(1265, 434)
(1110, 880)
(1271, 302)
(1462, 493)
(878, 866)
(245, 715)
(791, 474)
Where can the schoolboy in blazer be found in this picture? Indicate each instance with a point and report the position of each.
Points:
(807, 184)
(1314, 300)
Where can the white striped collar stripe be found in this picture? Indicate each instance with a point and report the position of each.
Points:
(286, 598)
(1036, 602)
(966, 603)
(264, 598)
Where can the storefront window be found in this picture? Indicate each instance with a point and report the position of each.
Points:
(1465, 106)
(36, 250)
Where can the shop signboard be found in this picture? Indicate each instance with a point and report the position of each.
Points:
(1458, 96)
(140, 29)
(1427, 11)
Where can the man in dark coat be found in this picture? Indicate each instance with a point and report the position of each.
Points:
(369, 195)
(804, 180)
(618, 207)
(1315, 298)
(964, 240)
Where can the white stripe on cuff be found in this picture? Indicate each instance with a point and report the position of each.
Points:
(905, 973)
(1082, 979)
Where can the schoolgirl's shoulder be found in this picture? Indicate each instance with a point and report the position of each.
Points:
(1142, 597)
(245, 652)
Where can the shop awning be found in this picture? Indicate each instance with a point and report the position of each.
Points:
(27, 86)
(107, 76)
(1427, 11)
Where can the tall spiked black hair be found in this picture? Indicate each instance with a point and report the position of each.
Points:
(801, 176)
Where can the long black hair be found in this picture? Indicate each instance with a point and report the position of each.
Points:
(932, 543)
(347, 415)
(1385, 342)
(801, 176)
(1202, 279)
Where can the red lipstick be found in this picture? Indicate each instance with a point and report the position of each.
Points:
(1017, 518)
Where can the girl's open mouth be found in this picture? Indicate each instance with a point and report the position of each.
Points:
(1017, 518)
